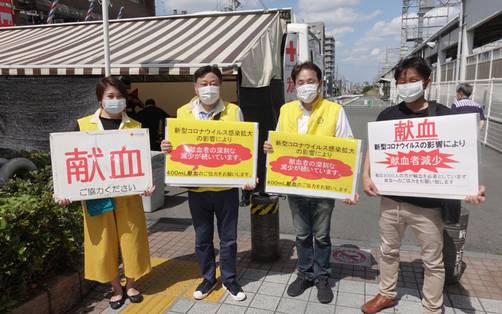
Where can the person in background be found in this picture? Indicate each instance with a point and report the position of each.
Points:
(154, 119)
(207, 202)
(312, 114)
(463, 104)
(114, 227)
(134, 104)
(421, 214)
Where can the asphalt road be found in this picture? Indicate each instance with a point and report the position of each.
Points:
(359, 224)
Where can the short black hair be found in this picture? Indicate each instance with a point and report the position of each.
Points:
(208, 69)
(465, 88)
(149, 102)
(307, 65)
(418, 63)
(104, 82)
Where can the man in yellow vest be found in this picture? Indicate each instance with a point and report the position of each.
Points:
(311, 114)
(207, 202)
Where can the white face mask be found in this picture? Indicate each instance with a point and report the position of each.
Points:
(307, 92)
(411, 91)
(114, 106)
(209, 94)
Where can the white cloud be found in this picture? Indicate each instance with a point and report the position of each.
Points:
(371, 48)
(387, 32)
(375, 52)
(337, 17)
(386, 29)
(325, 5)
(340, 31)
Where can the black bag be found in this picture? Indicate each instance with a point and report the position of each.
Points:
(450, 209)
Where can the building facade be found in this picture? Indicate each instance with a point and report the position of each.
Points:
(466, 49)
(328, 50)
(329, 64)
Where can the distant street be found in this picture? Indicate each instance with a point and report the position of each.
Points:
(360, 223)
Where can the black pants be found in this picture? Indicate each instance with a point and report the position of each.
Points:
(203, 207)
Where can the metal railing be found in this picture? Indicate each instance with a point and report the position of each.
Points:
(488, 93)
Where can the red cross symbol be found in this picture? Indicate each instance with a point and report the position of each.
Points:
(291, 51)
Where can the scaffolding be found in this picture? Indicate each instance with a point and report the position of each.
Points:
(388, 60)
(232, 5)
(422, 18)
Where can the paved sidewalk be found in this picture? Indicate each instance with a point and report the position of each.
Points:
(168, 288)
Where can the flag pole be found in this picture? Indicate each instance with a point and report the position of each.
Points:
(52, 11)
(88, 16)
(106, 39)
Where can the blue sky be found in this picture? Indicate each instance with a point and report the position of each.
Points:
(363, 29)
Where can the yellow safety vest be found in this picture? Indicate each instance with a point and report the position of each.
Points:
(323, 117)
(229, 113)
(124, 228)
(89, 123)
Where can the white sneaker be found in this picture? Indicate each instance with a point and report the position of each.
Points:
(203, 289)
(235, 290)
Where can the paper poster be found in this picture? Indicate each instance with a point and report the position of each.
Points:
(433, 157)
(317, 166)
(211, 153)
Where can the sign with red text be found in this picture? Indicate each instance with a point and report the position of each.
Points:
(100, 164)
(211, 153)
(434, 157)
(290, 59)
(309, 165)
(6, 13)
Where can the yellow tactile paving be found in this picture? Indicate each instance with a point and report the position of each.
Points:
(168, 281)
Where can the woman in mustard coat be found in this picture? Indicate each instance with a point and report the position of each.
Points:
(123, 229)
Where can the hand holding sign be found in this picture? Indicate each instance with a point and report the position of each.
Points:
(479, 198)
(166, 147)
(267, 147)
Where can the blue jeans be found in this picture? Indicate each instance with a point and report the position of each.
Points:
(312, 220)
(225, 206)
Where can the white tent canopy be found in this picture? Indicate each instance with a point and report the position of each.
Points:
(171, 45)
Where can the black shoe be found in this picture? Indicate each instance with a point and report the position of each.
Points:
(203, 289)
(324, 292)
(299, 286)
(115, 305)
(138, 298)
(235, 290)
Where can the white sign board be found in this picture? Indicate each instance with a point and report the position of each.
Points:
(100, 164)
(434, 157)
(290, 58)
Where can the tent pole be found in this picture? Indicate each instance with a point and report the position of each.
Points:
(106, 39)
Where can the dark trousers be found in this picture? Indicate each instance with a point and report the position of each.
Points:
(225, 206)
(312, 220)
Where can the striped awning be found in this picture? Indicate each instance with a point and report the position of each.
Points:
(171, 45)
